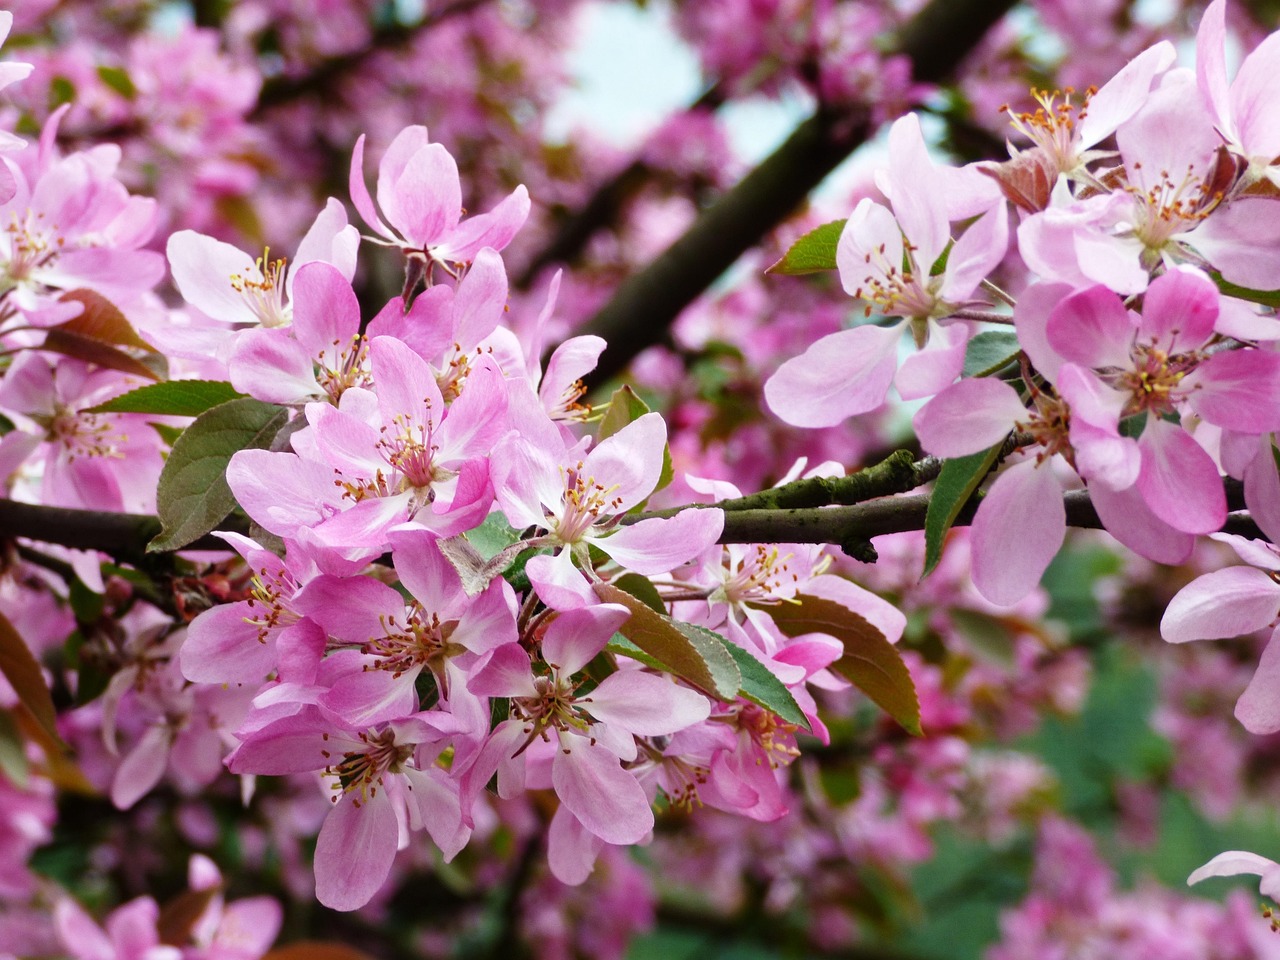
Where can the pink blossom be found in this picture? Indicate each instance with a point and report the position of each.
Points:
(1156, 363)
(383, 779)
(231, 287)
(243, 642)
(96, 461)
(130, 932)
(11, 71)
(1229, 603)
(1064, 133)
(379, 460)
(321, 354)
(420, 197)
(580, 501)
(1171, 209)
(849, 372)
(178, 730)
(1021, 523)
(1244, 109)
(560, 387)
(73, 224)
(594, 733)
(241, 930)
(396, 641)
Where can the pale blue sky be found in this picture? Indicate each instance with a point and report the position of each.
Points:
(631, 70)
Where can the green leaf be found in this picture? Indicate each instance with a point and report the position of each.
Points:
(13, 752)
(85, 604)
(956, 483)
(118, 80)
(499, 710)
(193, 496)
(761, 687)
(1132, 427)
(169, 435)
(870, 662)
(61, 90)
(492, 536)
(18, 665)
(1268, 298)
(684, 649)
(641, 588)
(623, 647)
(990, 352)
(989, 636)
(625, 407)
(812, 253)
(178, 398)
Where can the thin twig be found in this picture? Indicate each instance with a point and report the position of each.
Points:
(984, 316)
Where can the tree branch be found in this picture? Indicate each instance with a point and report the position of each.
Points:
(284, 89)
(646, 304)
(603, 206)
(124, 536)
(861, 522)
(897, 473)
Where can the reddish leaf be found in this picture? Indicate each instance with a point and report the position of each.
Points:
(80, 347)
(704, 663)
(316, 950)
(180, 915)
(102, 320)
(101, 335)
(1026, 180)
(57, 767)
(870, 662)
(22, 671)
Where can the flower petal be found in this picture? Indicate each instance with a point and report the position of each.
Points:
(840, 375)
(1018, 530)
(1258, 708)
(1179, 480)
(968, 416)
(1226, 603)
(355, 849)
(660, 544)
(608, 800)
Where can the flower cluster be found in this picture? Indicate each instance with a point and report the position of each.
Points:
(1138, 367)
(409, 686)
(430, 603)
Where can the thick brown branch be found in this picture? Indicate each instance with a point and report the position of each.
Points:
(124, 536)
(604, 205)
(642, 309)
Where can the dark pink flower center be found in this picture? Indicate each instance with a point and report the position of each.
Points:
(362, 771)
